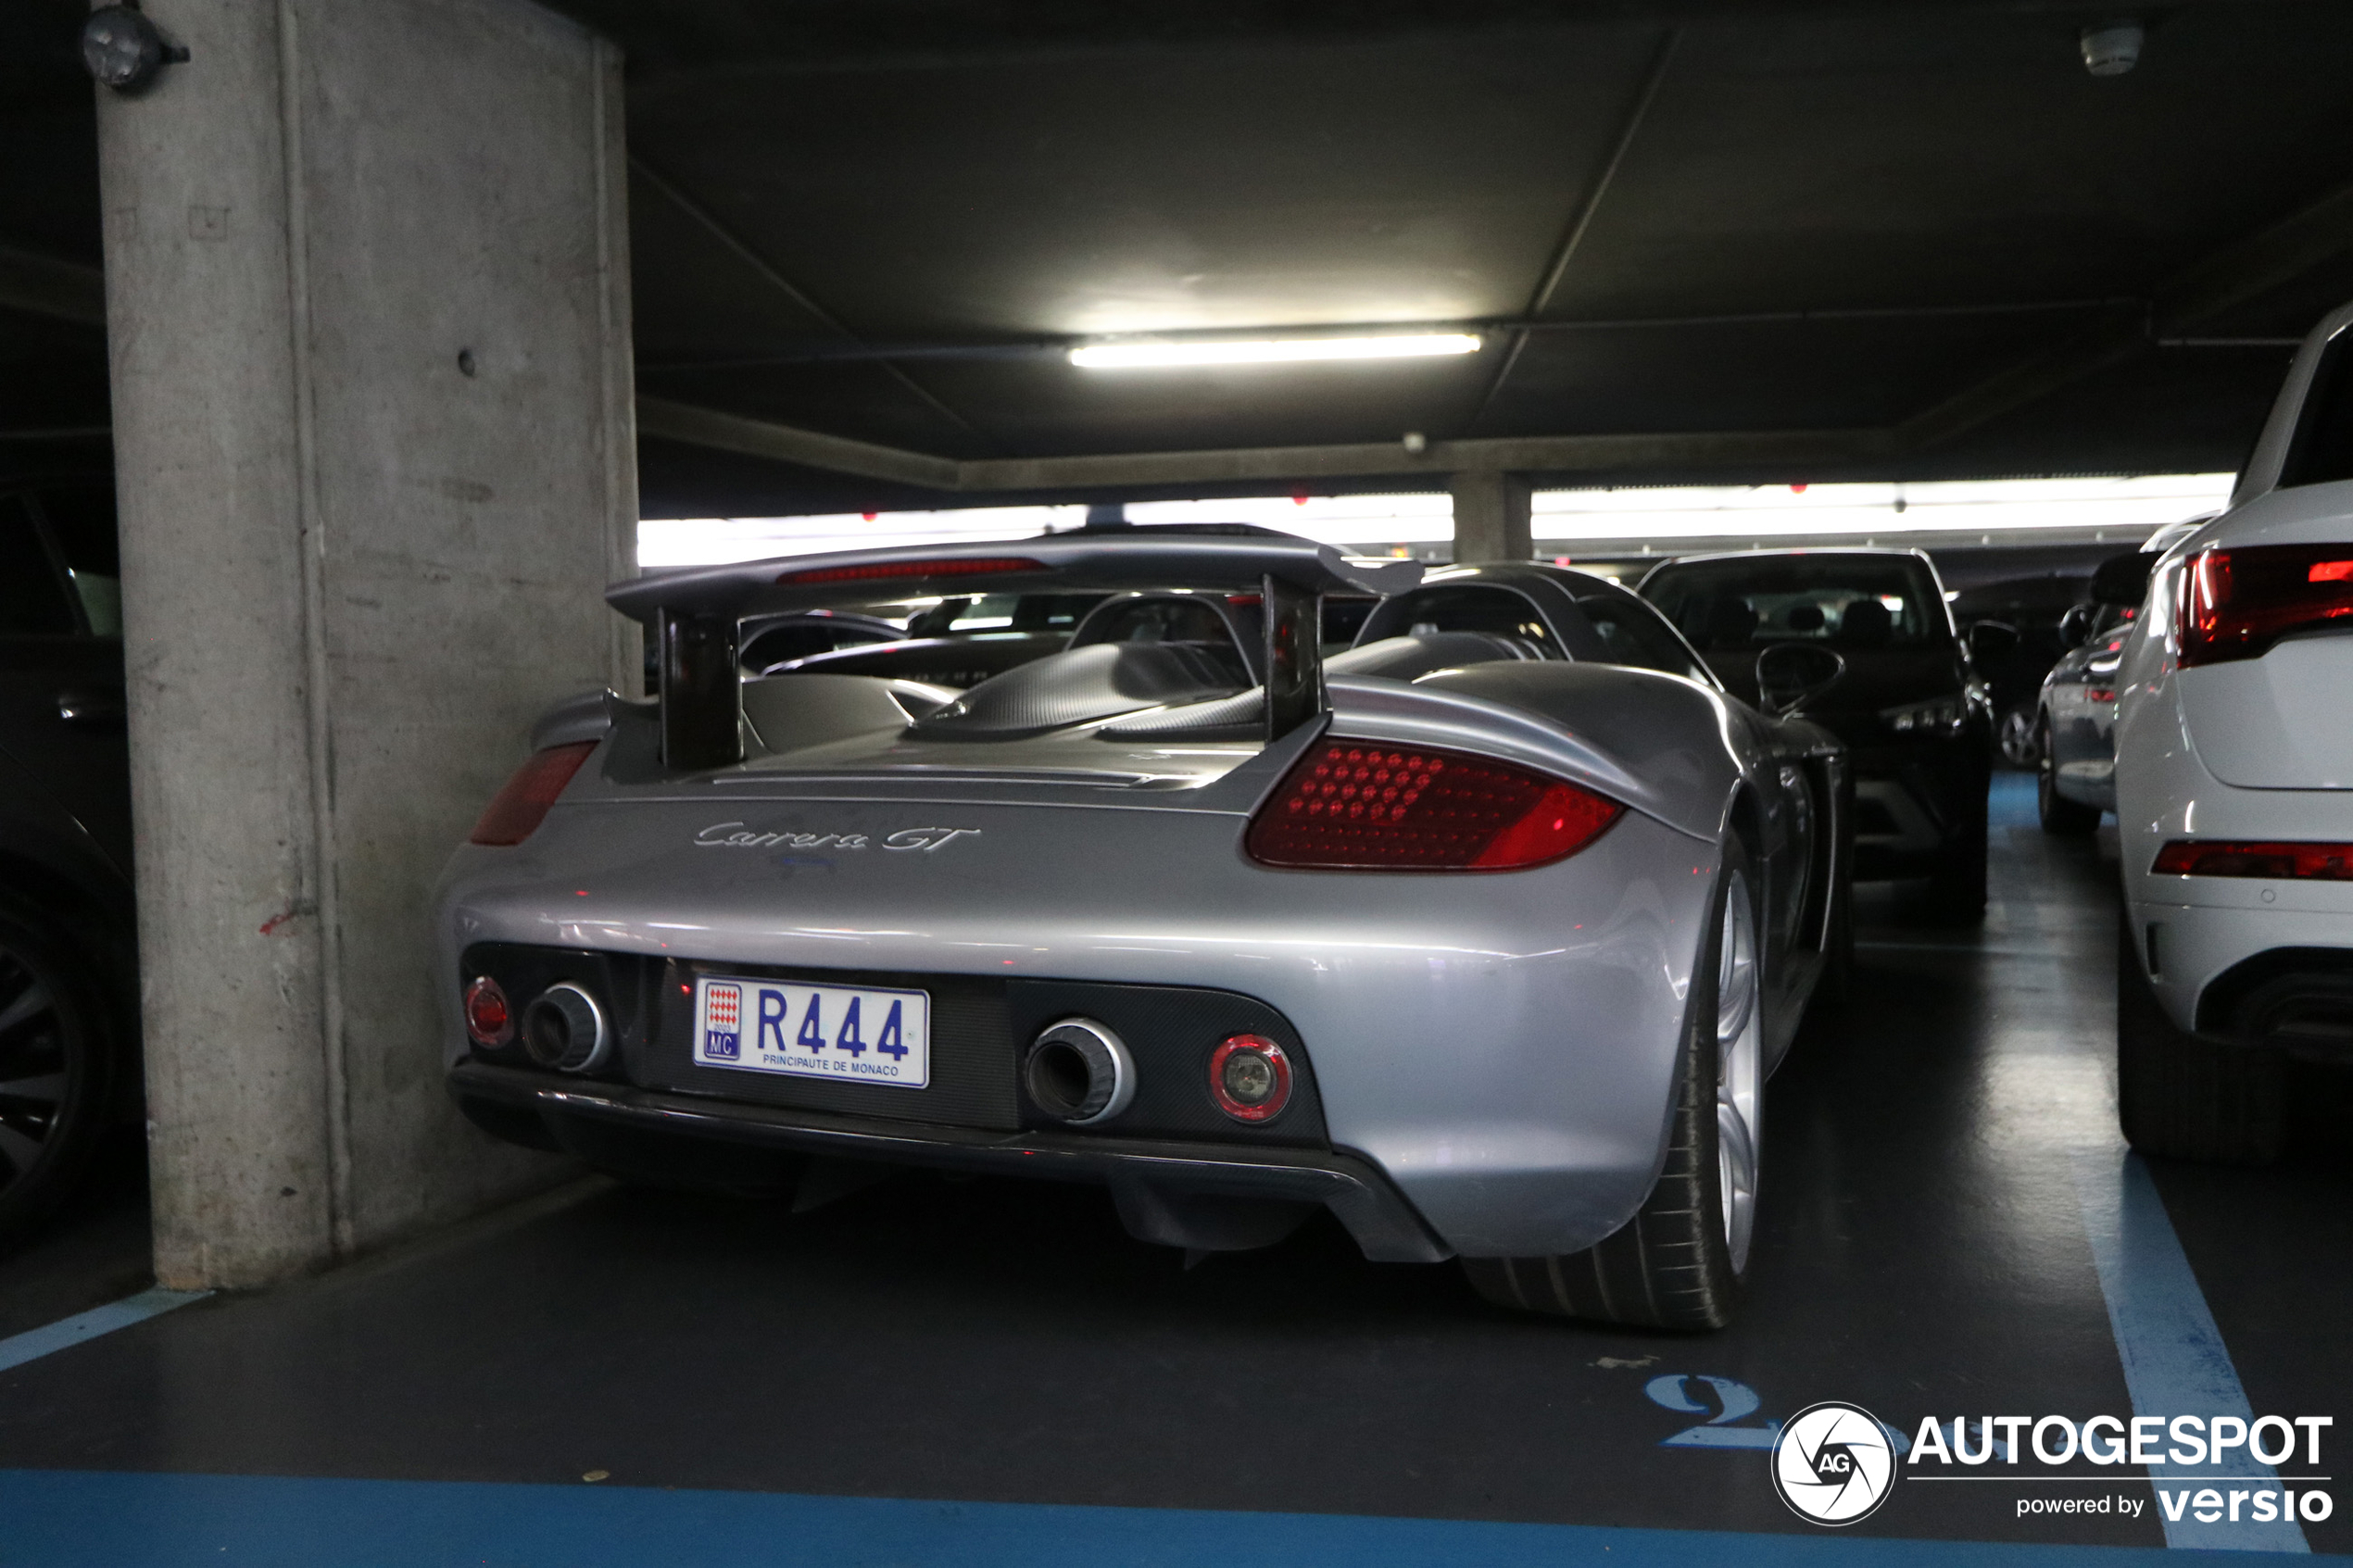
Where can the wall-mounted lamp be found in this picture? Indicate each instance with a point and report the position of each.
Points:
(124, 50)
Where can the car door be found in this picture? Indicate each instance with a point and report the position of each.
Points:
(61, 693)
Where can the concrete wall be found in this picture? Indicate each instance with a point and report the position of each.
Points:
(367, 296)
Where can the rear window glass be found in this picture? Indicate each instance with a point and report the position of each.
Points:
(1634, 634)
(1847, 601)
(82, 525)
(33, 599)
(2321, 449)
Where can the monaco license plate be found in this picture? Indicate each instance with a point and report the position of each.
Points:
(836, 1032)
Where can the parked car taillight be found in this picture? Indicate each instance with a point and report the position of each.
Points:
(1360, 806)
(2267, 859)
(2235, 603)
(517, 811)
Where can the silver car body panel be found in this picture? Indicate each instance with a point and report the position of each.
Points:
(1499, 1047)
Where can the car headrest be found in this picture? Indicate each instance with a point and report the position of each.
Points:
(1085, 684)
(1864, 623)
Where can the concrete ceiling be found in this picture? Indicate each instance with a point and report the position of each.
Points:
(1764, 241)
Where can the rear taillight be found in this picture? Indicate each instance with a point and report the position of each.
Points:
(2270, 860)
(1354, 805)
(519, 807)
(2235, 603)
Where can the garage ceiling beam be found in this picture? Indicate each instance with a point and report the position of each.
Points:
(1542, 453)
(44, 285)
(767, 270)
(761, 438)
(1580, 217)
(2236, 275)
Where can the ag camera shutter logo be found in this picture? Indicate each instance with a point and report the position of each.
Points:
(1833, 1463)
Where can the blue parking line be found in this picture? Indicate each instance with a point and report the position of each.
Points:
(74, 1519)
(2174, 1360)
(32, 1343)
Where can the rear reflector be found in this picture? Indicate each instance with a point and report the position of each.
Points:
(488, 1018)
(519, 807)
(890, 571)
(2271, 862)
(1250, 1077)
(2236, 603)
(1354, 806)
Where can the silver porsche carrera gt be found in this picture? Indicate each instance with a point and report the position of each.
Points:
(1482, 933)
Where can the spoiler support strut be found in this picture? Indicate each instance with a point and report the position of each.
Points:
(1294, 657)
(701, 692)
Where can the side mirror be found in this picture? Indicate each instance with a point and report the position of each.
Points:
(1789, 675)
(2077, 623)
(2123, 579)
(1990, 642)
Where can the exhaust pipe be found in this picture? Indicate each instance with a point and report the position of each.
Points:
(565, 1028)
(1079, 1073)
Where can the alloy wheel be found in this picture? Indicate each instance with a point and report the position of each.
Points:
(2021, 746)
(36, 1075)
(1740, 1070)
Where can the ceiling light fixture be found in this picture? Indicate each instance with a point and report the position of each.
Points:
(1271, 351)
(122, 48)
(2113, 48)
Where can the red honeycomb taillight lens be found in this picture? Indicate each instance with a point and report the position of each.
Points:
(519, 809)
(1356, 806)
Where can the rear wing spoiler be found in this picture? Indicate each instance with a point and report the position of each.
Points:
(692, 614)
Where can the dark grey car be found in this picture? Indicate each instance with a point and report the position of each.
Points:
(66, 956)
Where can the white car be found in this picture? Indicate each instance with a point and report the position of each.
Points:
(2234, 789)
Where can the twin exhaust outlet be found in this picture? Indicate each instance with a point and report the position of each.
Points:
(1077, 1071)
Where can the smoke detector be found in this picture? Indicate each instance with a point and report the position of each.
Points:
(2113, 48)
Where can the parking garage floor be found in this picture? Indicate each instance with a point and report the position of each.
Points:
(927, 1373)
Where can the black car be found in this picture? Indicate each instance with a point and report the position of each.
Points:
(68, 988)
(2035, 607)
(1909, 702)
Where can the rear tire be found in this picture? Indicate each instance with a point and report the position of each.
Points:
(57, 1070)
(1679, 1263)
(2182, 1097)
(2060, 817)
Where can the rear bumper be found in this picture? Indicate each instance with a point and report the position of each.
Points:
(2207, 956)
(1501, 1049)
(1148, 1178)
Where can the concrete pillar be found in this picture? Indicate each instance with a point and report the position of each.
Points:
(367, 289)
(1491, 516)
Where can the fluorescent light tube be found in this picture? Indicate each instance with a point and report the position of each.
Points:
(1268, 351)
